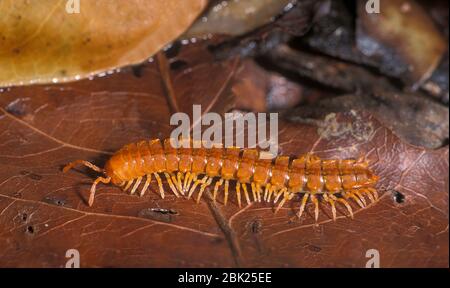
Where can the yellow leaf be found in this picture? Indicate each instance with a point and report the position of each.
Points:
(41, 42)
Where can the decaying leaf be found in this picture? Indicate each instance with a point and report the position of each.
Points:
(403, 39)
(294, 22)
(437, 85)
(43, 212)
(40, 42)
(238, 17)
(414, 117)
(332, 73)
(334, 33)
(416, 120)
(390, 46)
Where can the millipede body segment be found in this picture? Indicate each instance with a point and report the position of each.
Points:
(188, 170)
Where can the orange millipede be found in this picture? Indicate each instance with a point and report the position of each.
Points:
(279, 180)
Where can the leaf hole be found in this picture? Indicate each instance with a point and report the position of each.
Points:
(314, 248)
(55, 201)
(30, 229)
(159, 214)
(398, 197)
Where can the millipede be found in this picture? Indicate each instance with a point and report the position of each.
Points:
(278, 180)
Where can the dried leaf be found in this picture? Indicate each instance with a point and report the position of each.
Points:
(389, 46)
(416, 120)
(403, 39)
(295, 22)
(41, 43)
(333, 73)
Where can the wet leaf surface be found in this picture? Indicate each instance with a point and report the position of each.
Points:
(43, 211)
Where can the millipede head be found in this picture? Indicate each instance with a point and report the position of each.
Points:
(93, 167)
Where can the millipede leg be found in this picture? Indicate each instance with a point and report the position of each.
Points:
(93, 187)
(203, 180)
(258, 191)
(225, 196)
(161, 189)
(333, 207)
(203, 187)
(279, 193)
(274, 193)
(186, 178)
(367, 192)
(255, 198)
(216, 188)
(172, 187)
(266, 192)
(238, 193)
(146, 184)
(374, 192)
(136, 185)
(316, 206)
(180, 177)
(128, 185)
(271, 190)
(176, 184)
(363, 200)
(247, 198)
(192, 177)
(345, 203)
(350, 194)
(302, 205)
(287, 196)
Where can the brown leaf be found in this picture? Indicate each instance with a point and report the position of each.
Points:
(388, 46)
(41, 43)
(43, 212)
